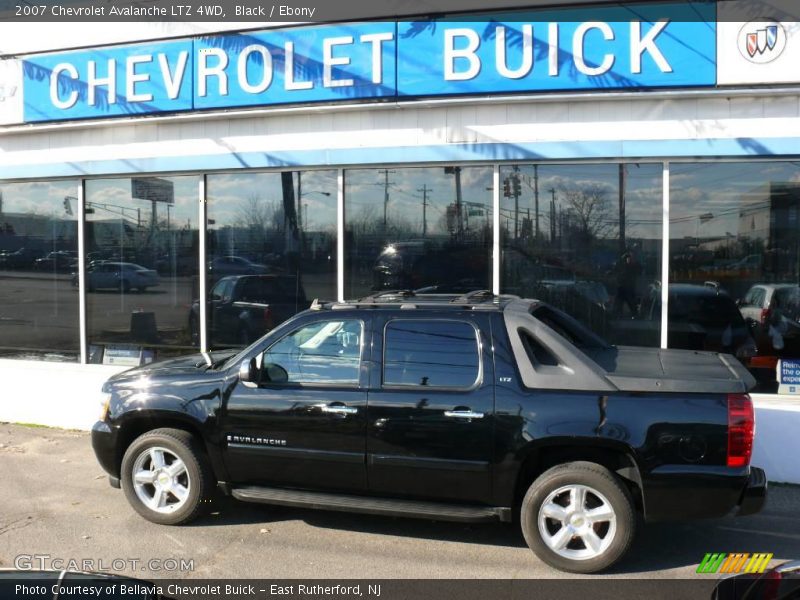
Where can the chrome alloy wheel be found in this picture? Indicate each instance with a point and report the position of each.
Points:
(577, 522)
(160, 480)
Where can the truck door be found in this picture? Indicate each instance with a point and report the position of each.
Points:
(430, 408)
(303, 424)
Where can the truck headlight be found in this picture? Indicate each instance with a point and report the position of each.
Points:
(105, 402)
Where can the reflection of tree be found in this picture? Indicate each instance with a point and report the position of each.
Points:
(256, 214)
(588, 206)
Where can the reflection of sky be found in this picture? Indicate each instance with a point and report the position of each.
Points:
(364, 195)
(40, 198)
(716, 192)
(230, 197)
(117, 193)
(642, 194)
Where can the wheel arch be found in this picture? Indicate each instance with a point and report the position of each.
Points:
(139, 424)
(536, 458)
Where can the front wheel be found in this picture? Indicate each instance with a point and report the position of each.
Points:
(166, 477)
(578, 517)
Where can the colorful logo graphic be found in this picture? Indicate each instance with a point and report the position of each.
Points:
(762, 41)
(738, 562)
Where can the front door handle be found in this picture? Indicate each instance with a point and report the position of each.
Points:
(463, 414)
(338, 409)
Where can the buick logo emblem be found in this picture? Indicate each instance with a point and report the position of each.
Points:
(761, 41)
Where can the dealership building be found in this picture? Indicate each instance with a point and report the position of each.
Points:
(172, 188)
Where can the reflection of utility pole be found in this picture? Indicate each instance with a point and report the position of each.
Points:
(536, 198)
(456, 171)
(425, 189)
(386, 184)
(515, 190)
(299, 200)
(553, 215)
(622, 243)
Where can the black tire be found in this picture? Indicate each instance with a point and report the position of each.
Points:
(603, 490)
(141, 290)
(199, 478)
(125, 286)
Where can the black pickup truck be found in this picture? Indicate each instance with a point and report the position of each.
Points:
(464, 408)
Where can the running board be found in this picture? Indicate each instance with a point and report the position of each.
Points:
(373, 506)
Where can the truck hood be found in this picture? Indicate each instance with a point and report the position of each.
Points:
(185, 365)
(638, 369)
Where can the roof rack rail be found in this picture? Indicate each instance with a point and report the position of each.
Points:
(472, 296)
(378, 295)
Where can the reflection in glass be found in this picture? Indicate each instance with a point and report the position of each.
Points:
(431, 353)
(587, 239)
(735, 239)
(323, 352)
(141, 267)
(418, 229)
(271, 249)
(38, 253)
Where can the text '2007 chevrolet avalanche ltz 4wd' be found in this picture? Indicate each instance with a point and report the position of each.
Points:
(463, 408)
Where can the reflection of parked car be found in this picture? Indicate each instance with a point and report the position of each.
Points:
(119, 275)
(18, 259)
(59, 262)
(243, 308)
(417, 264)
(771, 311)
(701, 317)
(180, 264)
(223, 266)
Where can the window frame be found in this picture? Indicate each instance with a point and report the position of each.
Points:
(431, 388)
(317, 385)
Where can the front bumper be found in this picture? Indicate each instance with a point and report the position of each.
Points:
(754, 495)
(104, 443)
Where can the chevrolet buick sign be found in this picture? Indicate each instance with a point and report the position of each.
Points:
(632, 47)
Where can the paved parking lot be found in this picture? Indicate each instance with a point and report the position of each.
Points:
(55, 501)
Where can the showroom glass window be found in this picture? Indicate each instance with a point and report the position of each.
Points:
(38, 256)
(735, 262)
(141, 267)
(587, 239)
(271, 250)
(418, 228)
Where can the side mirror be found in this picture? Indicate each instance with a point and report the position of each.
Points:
(248, 372)
(275, 373)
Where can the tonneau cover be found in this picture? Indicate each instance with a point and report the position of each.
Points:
(631, 368)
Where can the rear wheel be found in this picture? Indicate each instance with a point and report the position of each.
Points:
(166, 477)
(578, 517)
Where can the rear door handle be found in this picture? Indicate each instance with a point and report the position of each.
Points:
(338, 409)
(463, 414)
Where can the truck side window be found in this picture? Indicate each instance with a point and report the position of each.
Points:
(323, 352)
(431, 353)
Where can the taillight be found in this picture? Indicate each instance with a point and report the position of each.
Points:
(741, 429)
(764, 315)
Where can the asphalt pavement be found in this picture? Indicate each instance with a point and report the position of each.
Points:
(56, 504)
